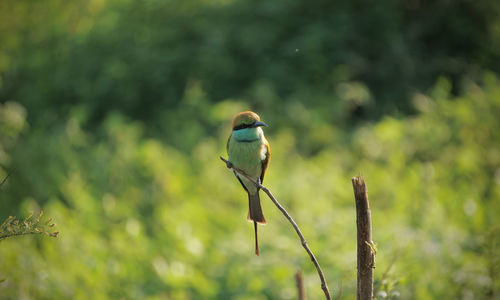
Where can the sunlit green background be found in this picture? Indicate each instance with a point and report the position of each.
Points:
(113, 115)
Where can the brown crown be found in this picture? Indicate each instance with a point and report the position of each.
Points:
(245, 117)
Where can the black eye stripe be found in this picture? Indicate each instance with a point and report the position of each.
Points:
(242, 126)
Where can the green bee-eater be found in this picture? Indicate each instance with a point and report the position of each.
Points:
(248, 150)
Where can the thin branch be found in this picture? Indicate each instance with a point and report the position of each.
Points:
(290, 219)
(366, 247)
(5, 179)
(299, 280)
(8, 235)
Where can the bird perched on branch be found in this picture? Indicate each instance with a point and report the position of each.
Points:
(248, 150)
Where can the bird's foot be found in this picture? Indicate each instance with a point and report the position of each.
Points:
(229, 164)
(257, 183)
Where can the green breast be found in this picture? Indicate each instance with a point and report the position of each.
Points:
(248, 157)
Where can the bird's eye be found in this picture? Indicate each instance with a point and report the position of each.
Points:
(242, 126)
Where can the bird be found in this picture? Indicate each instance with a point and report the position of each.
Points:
(249, 151)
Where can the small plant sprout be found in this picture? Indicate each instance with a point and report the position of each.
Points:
(30, 225)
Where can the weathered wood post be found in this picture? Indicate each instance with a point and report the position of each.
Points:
(366, 248)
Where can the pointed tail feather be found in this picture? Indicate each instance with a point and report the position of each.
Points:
(256, 239)
(255, 214)
(255, 210)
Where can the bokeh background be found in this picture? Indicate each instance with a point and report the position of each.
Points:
(113, 115)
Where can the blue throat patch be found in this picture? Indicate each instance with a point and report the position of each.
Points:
(246, 135)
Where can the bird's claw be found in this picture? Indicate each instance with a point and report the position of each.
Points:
(229, 164)
(257, 183)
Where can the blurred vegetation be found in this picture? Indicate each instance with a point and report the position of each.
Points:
(113, 115)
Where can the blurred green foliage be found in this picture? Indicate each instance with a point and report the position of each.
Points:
(141, 219)
(113, 115)
(349, 59)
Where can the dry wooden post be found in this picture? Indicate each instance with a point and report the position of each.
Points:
(300, 285)
(366, 247)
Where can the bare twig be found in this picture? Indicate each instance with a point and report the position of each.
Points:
(5, 179)
(366, 247)
(299, 280)
(290, 219)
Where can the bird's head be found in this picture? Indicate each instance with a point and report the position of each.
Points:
(247, 119)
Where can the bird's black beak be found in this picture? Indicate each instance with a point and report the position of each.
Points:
(259, 124)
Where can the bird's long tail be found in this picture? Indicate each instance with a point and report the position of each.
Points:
(255, 214)
(256, 239)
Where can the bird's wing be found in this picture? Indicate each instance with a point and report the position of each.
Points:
(265, 162)
(240, 181)
(227, 145)
(227, 149)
